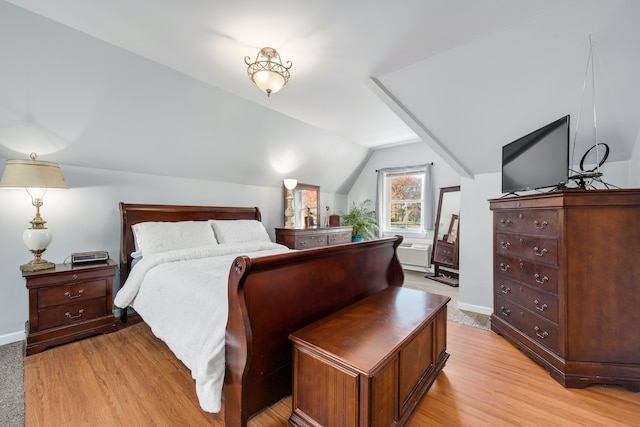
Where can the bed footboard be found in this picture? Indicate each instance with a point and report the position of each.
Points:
(270, 297)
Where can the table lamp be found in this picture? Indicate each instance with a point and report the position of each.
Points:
(289, 184)
(36, 177)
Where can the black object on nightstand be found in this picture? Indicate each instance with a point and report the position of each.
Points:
(68, 303)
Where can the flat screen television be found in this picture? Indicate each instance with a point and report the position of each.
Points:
(537, 160)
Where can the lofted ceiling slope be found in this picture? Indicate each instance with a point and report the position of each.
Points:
(158, 86)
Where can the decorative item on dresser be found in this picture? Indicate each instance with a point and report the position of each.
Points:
(301, 205)
(567, 283)
(68, 303)
(314, 237)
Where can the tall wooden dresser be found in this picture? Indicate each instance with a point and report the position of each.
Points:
(567, 283)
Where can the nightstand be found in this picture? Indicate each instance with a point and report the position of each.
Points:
(68, 303)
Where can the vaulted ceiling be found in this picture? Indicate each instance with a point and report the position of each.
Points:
(160, 86)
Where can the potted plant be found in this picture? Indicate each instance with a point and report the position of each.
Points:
(361, 218)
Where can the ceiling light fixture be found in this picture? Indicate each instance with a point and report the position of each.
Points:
(268, 73)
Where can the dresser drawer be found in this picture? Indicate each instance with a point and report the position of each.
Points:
(540, 222)
(539, 276)
(537, 249)
(71, 313)
(542, 303)
(339, 238)
(311, 241)
(536, 327)
(75, 292)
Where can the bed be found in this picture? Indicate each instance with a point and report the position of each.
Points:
(270, 293)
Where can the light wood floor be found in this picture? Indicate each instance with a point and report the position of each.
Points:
(130, 378)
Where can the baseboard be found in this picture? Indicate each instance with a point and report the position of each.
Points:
(12, 337)
(475, 308)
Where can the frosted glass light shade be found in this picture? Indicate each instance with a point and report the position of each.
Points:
(268, 81)
(290, 184)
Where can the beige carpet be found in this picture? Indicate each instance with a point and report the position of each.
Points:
(416, 280)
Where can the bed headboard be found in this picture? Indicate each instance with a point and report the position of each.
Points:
(131, 214)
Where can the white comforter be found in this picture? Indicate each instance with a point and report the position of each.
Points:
(182, 296)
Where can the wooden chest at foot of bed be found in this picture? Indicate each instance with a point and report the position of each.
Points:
(370, 363)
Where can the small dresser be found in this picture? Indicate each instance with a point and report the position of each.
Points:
(313, 237)
(68, 303)
(567, 283)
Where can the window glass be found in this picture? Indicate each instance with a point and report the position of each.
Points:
(404, 202)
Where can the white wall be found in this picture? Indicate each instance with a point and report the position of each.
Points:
(476, 242)
(634, 164)
(87, 217)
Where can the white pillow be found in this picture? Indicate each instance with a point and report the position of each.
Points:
(154, 237)
(239, 231)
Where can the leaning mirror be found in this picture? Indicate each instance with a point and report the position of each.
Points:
(446, 236)
(305, 203)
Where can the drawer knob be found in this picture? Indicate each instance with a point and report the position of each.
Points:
(505, 311)
(538, 252)
(505, 245)
(504, 289)
(542, 307)
(68, 314)
(68, 294)
(540, 226)
(541, 335)
(504, 267)
(75, 276)
(539, 280)
(505, 222)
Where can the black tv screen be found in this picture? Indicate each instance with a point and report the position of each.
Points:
(537, 160)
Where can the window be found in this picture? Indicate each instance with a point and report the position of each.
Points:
(405, 200)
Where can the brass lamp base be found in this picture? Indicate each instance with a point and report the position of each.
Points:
(37, 265)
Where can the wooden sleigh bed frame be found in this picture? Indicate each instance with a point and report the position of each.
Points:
(272, 296)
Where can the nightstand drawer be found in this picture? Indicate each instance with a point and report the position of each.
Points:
(71, 313)
(75, 292)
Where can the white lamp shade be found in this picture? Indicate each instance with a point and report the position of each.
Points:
(290, 184)
(37, 238)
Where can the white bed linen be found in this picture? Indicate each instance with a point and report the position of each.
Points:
(182, 296)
